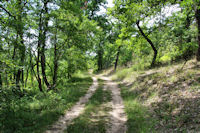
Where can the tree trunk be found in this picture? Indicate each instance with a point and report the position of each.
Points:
(55, 59)
(1, 82)
(21, 45)
(27, 71)
(117, 57)
(18, 78)
(43, 59)
(38, 54)
(31, 67)
(100, 58)
(38, 72)
(69, 75)
(197, 15)
(6, 79)
(150, 42)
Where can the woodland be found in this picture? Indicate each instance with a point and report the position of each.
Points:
(52, 52)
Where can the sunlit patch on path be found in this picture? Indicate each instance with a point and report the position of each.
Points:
(118, 117)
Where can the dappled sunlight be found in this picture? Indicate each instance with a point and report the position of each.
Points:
(172, 97)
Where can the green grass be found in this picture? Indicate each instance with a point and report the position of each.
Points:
(94, 118)
(158, 100)
(139, 118)
(35, 111)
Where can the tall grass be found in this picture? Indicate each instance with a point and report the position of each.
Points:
(35, 110)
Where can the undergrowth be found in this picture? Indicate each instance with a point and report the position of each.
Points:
(36, 110)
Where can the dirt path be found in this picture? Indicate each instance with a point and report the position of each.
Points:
(74, 112)
(118, 117)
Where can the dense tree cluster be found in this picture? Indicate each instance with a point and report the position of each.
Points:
(170, 35)
(41, 38)
(45, 40)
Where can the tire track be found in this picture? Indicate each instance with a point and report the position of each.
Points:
(118, 116)
(74, 112)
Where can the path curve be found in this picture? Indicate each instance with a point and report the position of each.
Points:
(74, 112)
(118, 116)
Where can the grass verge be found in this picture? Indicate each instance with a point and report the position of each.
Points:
(139, 118)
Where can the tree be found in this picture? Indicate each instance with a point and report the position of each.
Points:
(132, 13)
(197, 16)
(17, 23)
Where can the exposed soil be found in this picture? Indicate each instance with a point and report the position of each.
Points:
(74, 112)
(118, 117)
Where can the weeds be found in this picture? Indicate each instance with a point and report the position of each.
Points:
(35, 111)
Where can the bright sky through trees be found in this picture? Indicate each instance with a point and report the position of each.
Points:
(110, 3)
(103, 10)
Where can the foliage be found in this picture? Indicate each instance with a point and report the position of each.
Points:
(36, 110)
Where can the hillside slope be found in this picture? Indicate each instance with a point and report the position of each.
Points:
(165, 99)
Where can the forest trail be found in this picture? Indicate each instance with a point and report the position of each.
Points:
(118, 117)
(74, 112)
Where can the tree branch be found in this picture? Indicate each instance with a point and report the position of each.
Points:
(7, 12)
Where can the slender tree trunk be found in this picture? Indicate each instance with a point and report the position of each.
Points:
(150, 42)
(197, 15)
(117, 57)
(55, 59)
(69, 75)
(18, 78)
(27, 71)
(1, 82)
(6, 79)
(38, 54)
(21, 45)
(14, 50)
(13, 58)
(100, 58)
(43, 59)
(38, 71)
(32, 67)
(43, 66)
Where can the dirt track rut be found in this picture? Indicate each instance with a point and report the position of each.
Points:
(74, 112)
